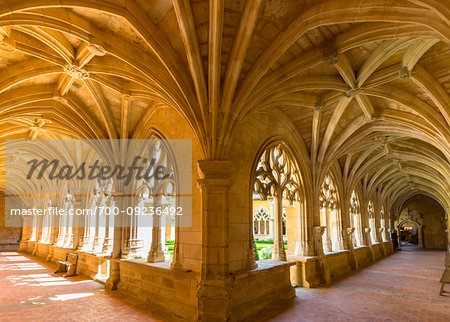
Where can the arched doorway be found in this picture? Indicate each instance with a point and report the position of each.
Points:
(410, 230)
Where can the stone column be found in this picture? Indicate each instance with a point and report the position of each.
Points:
(156, 253)
(349, 237)
(74, 231)
(344, 226)
(340, 230)
(420, 236)
(326, 239)
(377, 222)
(107, 241)
(116, 253)
(304, 245)
(27, 227)
(176, 262)
(448, 240)
(278, 252)
(368, 242)
(214, 292)
(53, 235)
(380, 240)
(318, 248)
(387, 231)
(132, 244)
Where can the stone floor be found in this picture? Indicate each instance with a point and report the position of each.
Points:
(402, 287)
(29, 291)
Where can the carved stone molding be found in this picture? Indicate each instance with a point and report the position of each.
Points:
(76, 72)
(405, 73)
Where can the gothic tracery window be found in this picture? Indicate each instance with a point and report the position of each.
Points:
(383, 225)
(372, 226)
(276, 175)
(261, 221)
(147, 235)
(355, 218)
(278, 179)
(329, 214)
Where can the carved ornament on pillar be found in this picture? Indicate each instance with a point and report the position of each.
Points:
(317, 235)
(405, 73)
(349, 235)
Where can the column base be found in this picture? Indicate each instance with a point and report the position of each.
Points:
(156, 257)
(214, 300)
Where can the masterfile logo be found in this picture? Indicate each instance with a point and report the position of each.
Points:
(125, 181)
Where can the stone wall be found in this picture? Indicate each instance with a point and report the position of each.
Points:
(94, 266)
(170, 293)
(9, 236)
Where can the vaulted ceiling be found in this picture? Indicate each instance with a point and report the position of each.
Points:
(365, 83)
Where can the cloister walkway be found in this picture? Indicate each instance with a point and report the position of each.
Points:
(402, 287)
(29, 291)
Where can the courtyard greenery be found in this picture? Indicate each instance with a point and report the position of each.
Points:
(263, 248)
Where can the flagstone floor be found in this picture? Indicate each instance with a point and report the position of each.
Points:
(402, 287)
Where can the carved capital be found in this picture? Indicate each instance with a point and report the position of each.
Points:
(318, 231)
(214, 174)
(97, 49)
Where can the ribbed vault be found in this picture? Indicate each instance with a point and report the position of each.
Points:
(364, 83)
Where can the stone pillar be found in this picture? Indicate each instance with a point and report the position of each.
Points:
(349, 238)
(27, 227)
(109, 231)
(304, 246)
(326, 239)
(156, 253)
(366, 236)
(340, 231)
(387, 231)
(369, 243)
(378, 230)
(214, 292)
(448, 240)
(380, 240)
(176, 262)
(116, 253)
(278, 252)
(420, 236)
(398, 237)
(318, 248)
(53, 235)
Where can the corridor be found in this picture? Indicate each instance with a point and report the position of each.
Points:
(30, 291)
(402, 287)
